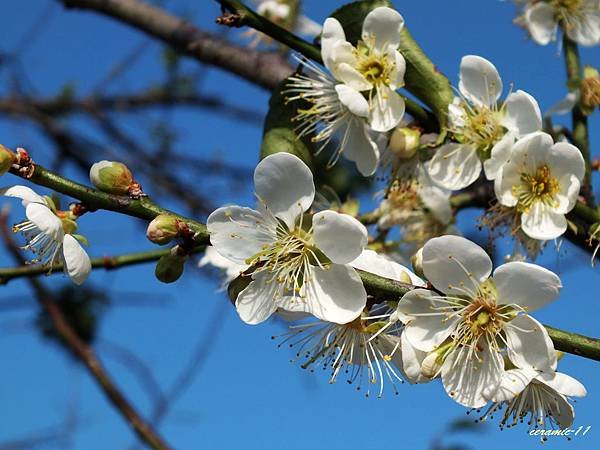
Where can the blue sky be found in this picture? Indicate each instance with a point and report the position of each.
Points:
(246, 394)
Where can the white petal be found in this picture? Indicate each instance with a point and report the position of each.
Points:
(564, 158)
(529, 346)
(454, 264)
(387, 109)
(397, 76)
(285, 184)
(542, 223)
(340, 236)
(239, 233)
(348, 75)
(563, 384)
(457, 117)
(383, 266)
(332, 33)
(527, 285)
(437, 201)
(479, 80)
(522, 113)
(466, 376)
(541, 22)
(412, 359)
(24, 193)
(503, 184)
(565, 105)
(424, 332)
(454, 166)
(381, 28)
(500, 155)
(353, 100)
(77, 261)
(214, 258)
(359, 147)
(585, 29)
(45, 220)
(335, 294)
(256, 302)
(513, 382)
(568, 192)
(561, 410)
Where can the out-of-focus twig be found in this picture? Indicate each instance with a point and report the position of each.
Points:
(105, 262)
(262, 68)
(84, 352)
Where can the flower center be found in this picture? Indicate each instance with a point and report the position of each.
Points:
(566, 7)
(482, 129)
(376, 68)
(538, 187)
(288, 259)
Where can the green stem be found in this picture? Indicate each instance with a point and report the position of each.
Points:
(94, 199)
(105, 262)
(580, 122)
(577, 344)
(259, 23)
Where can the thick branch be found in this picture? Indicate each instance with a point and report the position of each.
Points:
(262, 68)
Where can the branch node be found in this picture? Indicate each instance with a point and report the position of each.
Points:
(24, 164)
(232, 20)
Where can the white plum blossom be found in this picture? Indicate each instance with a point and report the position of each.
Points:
(49, 234)
(280, 13)
(420, 209)
(298, 261)
(374, 66)
(484, 128)
(230, 269)
(540, 183)
(360, 96)
(579, 19)
(333, 111)
(368, 350)
(541, 398)
(478, 318)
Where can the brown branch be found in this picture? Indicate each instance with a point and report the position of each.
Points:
(265, 69)
(84, 352)
(60, 105)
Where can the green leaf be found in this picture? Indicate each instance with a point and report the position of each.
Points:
(422, 78)
(279, 134)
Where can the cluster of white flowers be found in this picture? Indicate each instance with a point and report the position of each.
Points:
(461, 323)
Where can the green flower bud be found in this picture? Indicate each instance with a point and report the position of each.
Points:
(170, 267)
(112, 177)
(163, 229)
(404, 142)
(7, 159)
